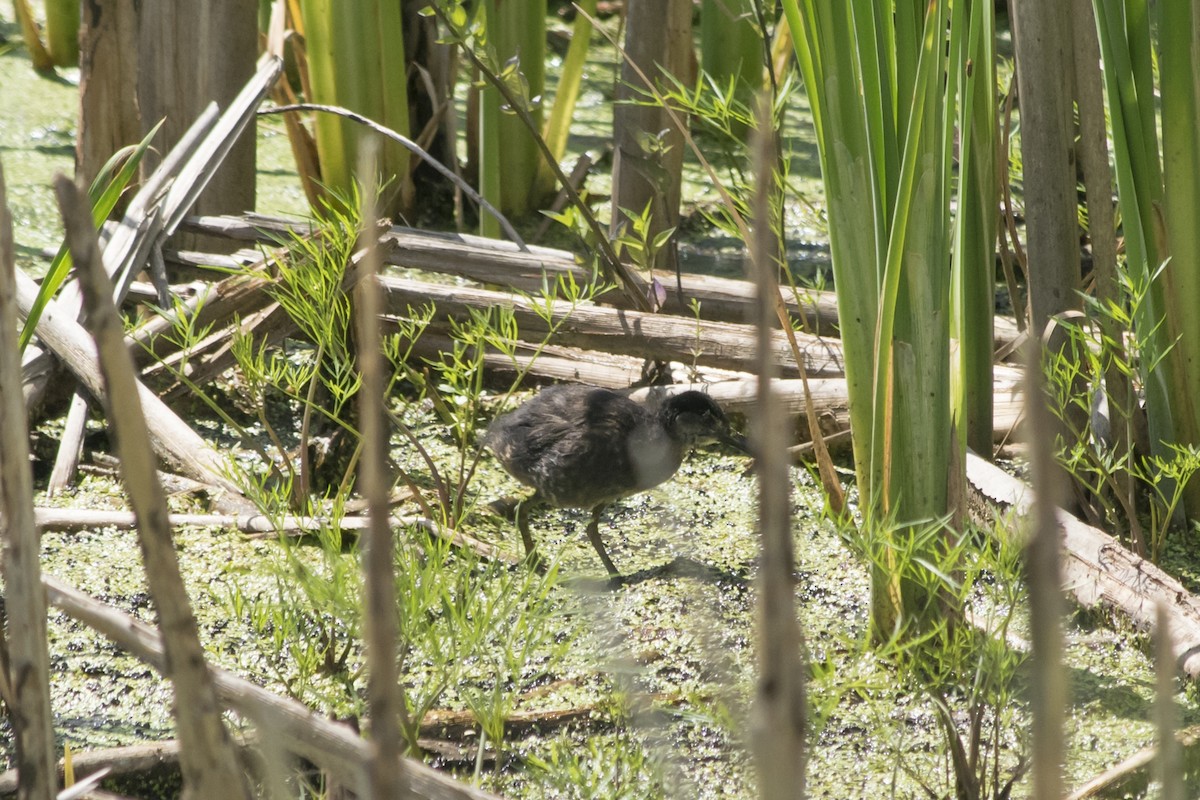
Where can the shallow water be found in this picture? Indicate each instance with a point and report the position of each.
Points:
(680, 645)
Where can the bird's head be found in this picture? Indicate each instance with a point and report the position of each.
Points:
(695, 418)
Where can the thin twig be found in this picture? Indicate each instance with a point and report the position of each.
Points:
(209, 763)
(413, 147)
(380, 627)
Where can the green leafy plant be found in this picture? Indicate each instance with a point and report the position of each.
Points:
(110, 183)
(731, 47)
(315, 373)
(642, 245)
(307, 626)
(1159, 192)
(618, 768)
(469, 631)
(1096, 418)
(959, 664)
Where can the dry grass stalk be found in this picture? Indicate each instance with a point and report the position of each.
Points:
(1166, 715)
(207, 759)
(1048, 682)
(780, 704)
(25, 679)
(383, 691)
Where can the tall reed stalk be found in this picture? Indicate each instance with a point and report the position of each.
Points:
(508, 155)
(731, 47)
(883, 80)
(356, 60)
(1160, 201)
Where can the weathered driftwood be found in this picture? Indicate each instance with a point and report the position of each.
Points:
(70, 446)
(333, 747)
(25, 673)
(830, 399)
(137, 759)
(259, 526)
(156, 210)
(453, 724)
(127, 242)
(174, 441)
(80, 519)
(207, 758)
(230, 306)
(610, 333)
(666, 337)
(1132, 776)
(571, 364)
(500, 263)
(242, 297)
(1098, 570)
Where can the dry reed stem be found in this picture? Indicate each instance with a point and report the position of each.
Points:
(26, 680)
(1166, 715)
(779, 719)
(380, 628)
(207, 759)
(1048, 682)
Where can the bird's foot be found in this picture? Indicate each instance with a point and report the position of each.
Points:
(505, 507)
(536, 562)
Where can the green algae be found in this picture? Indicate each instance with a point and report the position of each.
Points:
(668, 659)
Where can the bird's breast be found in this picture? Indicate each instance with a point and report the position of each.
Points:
(654, 457)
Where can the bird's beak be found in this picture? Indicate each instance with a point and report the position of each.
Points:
(737, 442)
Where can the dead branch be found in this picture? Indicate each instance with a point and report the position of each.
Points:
(208, 762)
(1097, 569)
(333, 747)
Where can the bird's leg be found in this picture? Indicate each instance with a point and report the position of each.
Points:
(531, 552)
(593, 533)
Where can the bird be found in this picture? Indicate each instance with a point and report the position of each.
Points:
(586, 447)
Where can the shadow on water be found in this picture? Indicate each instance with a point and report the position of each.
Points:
(678, 567)
(724, 257)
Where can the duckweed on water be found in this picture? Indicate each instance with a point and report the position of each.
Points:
(667, 661)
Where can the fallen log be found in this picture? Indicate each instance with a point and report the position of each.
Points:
(257, 526)
(831, 400)
(1098, 571)
(571, 365)
(130, 760)
(1131, 777)
(79, 519)
(664, 337)
(613, 334)
(174, 441)
(502, 263)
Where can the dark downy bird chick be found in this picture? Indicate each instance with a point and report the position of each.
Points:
(583, 447)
